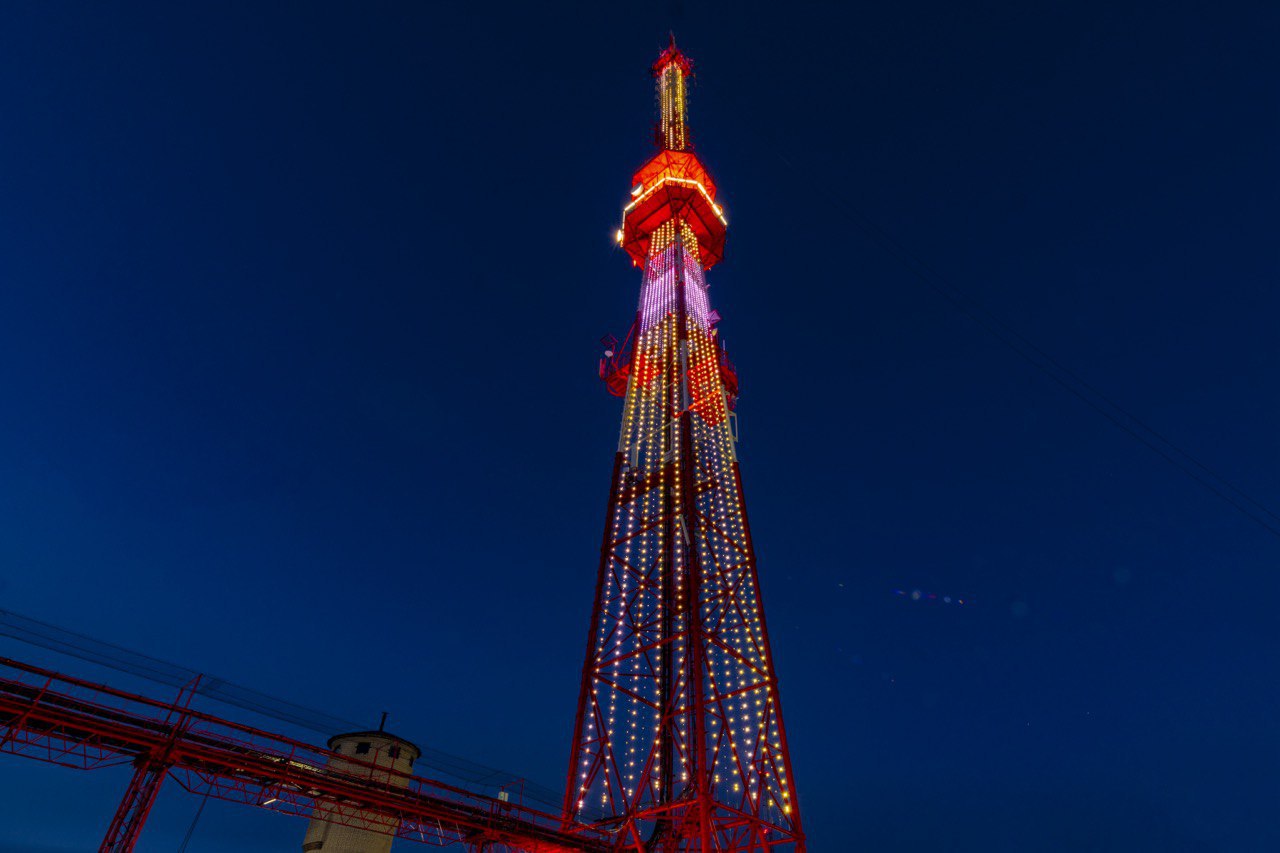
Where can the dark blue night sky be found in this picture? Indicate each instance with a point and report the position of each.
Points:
(299, 310)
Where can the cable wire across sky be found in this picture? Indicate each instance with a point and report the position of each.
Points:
(66, 642)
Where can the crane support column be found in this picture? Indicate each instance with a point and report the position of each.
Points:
(132, 813)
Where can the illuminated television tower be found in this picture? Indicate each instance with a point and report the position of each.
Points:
(678, 743)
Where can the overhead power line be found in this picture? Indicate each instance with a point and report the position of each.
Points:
(63, 641)
(191, 830)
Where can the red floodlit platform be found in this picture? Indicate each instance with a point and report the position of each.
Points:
(673, 186)
(615, 364)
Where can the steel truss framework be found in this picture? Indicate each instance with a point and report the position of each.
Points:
(74, 723)
(679, 737)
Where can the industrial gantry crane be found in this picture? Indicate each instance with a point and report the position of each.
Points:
(71, 722)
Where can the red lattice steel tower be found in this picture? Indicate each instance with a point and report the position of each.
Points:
(678, 742)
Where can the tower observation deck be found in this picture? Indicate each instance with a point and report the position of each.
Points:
(678, 739)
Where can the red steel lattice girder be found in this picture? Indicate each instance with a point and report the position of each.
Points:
(74, 723)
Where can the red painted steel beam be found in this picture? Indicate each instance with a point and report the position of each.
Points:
(132, 814)
(71, 722)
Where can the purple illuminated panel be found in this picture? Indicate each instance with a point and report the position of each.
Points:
(658, 294)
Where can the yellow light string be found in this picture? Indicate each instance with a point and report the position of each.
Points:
(746, 760)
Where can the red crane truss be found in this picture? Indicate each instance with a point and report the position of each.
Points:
(75, 723)
(678, 737)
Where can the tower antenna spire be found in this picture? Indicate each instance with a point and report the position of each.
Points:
(672, 70)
